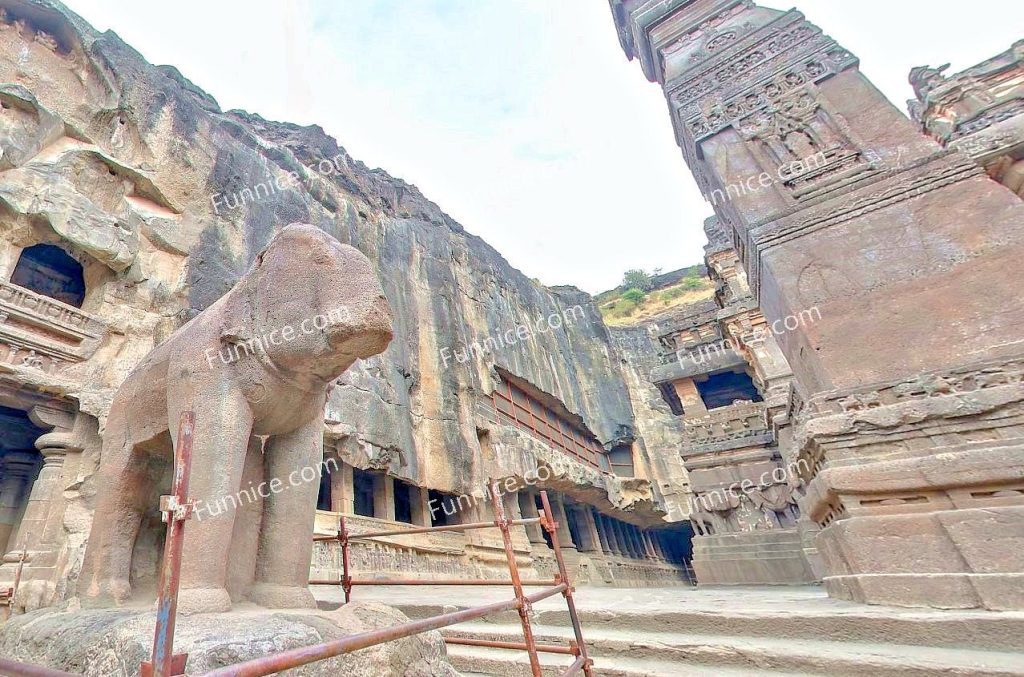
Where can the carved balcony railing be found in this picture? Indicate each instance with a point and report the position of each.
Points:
(38, 332)
(738, 425)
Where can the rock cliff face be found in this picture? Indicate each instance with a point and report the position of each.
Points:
(166, 199)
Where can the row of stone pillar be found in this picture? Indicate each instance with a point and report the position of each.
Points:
(590, 530)
(384, 488)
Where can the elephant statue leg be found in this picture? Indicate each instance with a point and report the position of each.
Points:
(286, 542)
(221, 443)
(108, 558)
(246, 536)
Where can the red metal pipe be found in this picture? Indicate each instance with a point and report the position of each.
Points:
(424, 530)
(543, 648)
(310, 654)
(15, 669)
(552, 528)
(517, 585)
(444, 581)
(176, 509)
(346, 576)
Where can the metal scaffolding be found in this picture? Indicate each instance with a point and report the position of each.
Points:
(522, 602)
(177, 508)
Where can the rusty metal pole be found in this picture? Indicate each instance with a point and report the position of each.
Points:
(346, 577)
(176, 508)
(517, 585)
(552, 527)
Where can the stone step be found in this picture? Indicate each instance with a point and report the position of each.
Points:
(472, 661)
(629, 652)
(974, 630)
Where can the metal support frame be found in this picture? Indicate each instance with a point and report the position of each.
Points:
(176, 508)
(522, 602)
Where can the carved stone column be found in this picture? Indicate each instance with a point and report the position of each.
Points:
(606, 525)
(528, 508)
(564, 537)
(625, 547)
(342, 493)
(419, 498)
(46, 492)
(18, 470)
(602, 539)
(910, 421)
(585, 521)
(383, 497)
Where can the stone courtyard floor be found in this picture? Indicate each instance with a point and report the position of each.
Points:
(798, 601)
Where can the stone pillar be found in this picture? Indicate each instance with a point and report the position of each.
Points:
(383, 497)
(689, 397)
(342, 492)
(647, 545)
(528, 509)
(604, 524)
(633, 534)
(18, 470)
(595, 519)
(585, 520)
(46, 492)
(419, 497)
(618, 528)
(558, 508)
(939, 345)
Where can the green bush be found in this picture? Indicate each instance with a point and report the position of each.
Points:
(638, 279)
(634, 294)
(673, 293)
(692, 283)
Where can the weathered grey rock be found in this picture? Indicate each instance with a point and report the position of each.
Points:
(113, 642)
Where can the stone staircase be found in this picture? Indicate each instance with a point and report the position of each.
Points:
(861, 642)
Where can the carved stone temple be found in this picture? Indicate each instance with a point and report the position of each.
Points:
(844, 410)
(905, 396)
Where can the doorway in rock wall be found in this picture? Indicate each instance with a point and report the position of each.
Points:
(19, 466)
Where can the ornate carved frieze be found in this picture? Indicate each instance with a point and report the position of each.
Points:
(922, 386)
(948, 408)
(37, 332)
(994, 116)
(782, 55)
(728, 428)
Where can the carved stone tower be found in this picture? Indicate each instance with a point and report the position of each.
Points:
(908, 397)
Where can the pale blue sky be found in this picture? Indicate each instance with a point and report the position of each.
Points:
(520, 118)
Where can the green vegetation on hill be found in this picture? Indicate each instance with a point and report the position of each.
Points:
(643, 295)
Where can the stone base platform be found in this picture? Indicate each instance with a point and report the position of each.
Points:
(773, 557)
(113, 642)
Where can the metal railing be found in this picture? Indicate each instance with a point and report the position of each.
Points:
(522, 602)
(177, 508)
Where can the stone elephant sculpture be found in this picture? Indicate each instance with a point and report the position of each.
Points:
(258, 362)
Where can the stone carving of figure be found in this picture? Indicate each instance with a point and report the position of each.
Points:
(925, 78)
